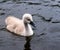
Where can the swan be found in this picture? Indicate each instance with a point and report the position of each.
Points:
(20, 26)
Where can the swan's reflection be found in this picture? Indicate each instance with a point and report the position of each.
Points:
(27, 44)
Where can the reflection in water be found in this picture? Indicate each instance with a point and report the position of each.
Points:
(27, 44)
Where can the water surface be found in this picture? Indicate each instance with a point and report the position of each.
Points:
(46, 15)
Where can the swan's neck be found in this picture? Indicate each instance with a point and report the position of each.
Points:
(26, 26)
(29, 30)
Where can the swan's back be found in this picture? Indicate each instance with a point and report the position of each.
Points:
(12, 20)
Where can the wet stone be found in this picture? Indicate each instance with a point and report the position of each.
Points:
(2, 13)
(34, 3)
(0, 8)
(58, 1)
(2, 1)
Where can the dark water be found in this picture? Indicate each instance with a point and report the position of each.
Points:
(46, 15)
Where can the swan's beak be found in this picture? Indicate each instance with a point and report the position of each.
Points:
(32, 24)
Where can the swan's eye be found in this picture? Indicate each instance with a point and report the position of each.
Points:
(28, 19)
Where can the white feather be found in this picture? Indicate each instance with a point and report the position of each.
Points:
(17, 25)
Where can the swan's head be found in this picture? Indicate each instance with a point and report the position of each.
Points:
(27, 18)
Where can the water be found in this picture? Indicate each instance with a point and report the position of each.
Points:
(46, 15)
